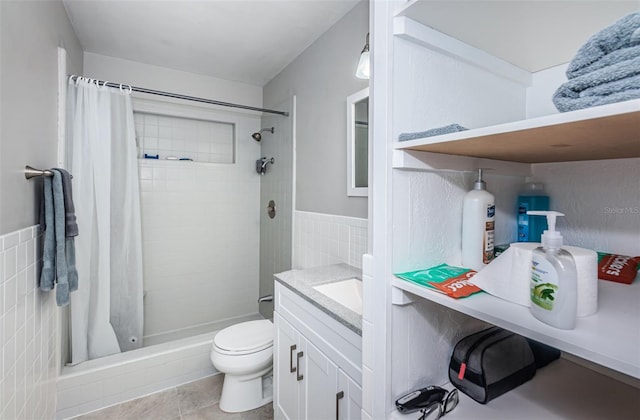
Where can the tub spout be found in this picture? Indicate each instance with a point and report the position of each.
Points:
(266, 298)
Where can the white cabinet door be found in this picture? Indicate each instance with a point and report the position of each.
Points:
(321, 381)
(287, 389)
(350, 403)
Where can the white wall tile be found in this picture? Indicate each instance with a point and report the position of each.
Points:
(184, 138)
(200, 228)
(29, 327)
(321, 239)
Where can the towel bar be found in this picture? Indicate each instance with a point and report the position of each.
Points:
(30, 172)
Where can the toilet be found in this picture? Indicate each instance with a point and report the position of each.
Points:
(244, 353)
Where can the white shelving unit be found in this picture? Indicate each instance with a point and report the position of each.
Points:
(610, 338)
(562, 390)
(470, 37)
(570, 136)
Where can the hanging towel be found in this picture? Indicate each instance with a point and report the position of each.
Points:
(48, 274)
(71, 228)
(58, 259)
(451, 128)
(59, 220)
(620, 35)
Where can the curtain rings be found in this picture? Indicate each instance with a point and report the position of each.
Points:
(127, 89)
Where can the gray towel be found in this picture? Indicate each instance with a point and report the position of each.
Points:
(451, 128)
(59, 220)
(48, 274)
(614, 83)
(622, 34)
(70, 211)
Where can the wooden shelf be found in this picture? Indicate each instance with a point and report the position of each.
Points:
(610, 338)
(605, 132)
(561, 390)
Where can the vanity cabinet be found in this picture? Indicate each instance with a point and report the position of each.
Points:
(313, 378)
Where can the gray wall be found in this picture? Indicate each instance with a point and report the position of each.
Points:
(30, 31)
(321, 78)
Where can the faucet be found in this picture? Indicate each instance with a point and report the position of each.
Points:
(266, 298)
(261, 164)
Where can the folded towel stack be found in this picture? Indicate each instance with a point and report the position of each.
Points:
(606, 69)
(451, 128)
(58, 221)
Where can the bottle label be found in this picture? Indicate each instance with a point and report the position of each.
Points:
(544, 283)
(523, 222)
(488, 251)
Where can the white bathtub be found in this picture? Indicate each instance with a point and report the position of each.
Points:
(114, 379)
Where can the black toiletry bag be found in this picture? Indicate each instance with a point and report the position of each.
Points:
(491, 362)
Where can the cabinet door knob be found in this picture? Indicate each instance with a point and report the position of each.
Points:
(339, 396)
(291, 350)
(299, 377)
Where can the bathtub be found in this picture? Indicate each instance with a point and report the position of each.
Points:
(168, 362)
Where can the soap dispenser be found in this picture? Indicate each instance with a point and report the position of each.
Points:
(478, 221)
(554, 278)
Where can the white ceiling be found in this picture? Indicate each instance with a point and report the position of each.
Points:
(248, 41)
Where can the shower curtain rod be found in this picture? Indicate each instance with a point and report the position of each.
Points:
(184, 97)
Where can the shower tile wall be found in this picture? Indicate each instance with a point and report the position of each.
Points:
(321, 239)
(200, 230)
(201, 141)
(28, 330)
(277, 185)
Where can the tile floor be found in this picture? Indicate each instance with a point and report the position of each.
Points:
(193, 401)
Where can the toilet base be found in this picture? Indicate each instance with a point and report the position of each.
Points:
(246, 392)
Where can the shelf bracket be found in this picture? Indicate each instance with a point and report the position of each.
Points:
(401, 297)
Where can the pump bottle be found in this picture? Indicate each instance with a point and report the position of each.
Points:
(478, 220)
(553, 278)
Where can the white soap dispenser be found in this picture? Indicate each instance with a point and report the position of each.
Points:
(554, 281)
(478, 221)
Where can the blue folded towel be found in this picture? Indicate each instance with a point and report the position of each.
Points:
(451, 128)
(622, 34)
(614, 83)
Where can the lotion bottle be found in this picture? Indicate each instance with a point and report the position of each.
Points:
(478, 224)
(553, 278)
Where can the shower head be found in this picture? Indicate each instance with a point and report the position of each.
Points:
(257, 136)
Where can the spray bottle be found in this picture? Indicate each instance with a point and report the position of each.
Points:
(553, 278)
(478, 221)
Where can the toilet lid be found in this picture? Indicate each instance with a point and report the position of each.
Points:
(248, 336)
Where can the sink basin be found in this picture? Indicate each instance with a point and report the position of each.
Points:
(347, 292)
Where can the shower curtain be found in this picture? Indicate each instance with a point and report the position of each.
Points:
(106, 311)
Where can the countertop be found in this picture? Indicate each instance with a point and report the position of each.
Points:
(302, 282)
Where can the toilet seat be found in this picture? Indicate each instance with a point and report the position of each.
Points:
(245, 338)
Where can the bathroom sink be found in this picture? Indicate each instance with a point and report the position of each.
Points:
(347, 292)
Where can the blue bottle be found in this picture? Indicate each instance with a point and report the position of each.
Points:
(530, 228)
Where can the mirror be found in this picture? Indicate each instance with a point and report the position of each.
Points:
(358, 144)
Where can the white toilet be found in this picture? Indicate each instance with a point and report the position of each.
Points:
(244, 353)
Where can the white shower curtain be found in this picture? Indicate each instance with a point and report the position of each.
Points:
(106, 311)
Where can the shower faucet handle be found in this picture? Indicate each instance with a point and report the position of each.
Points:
(265, 298)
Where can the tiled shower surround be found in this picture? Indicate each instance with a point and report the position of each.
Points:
(200, 231)
(322, 239)
(28, 330)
